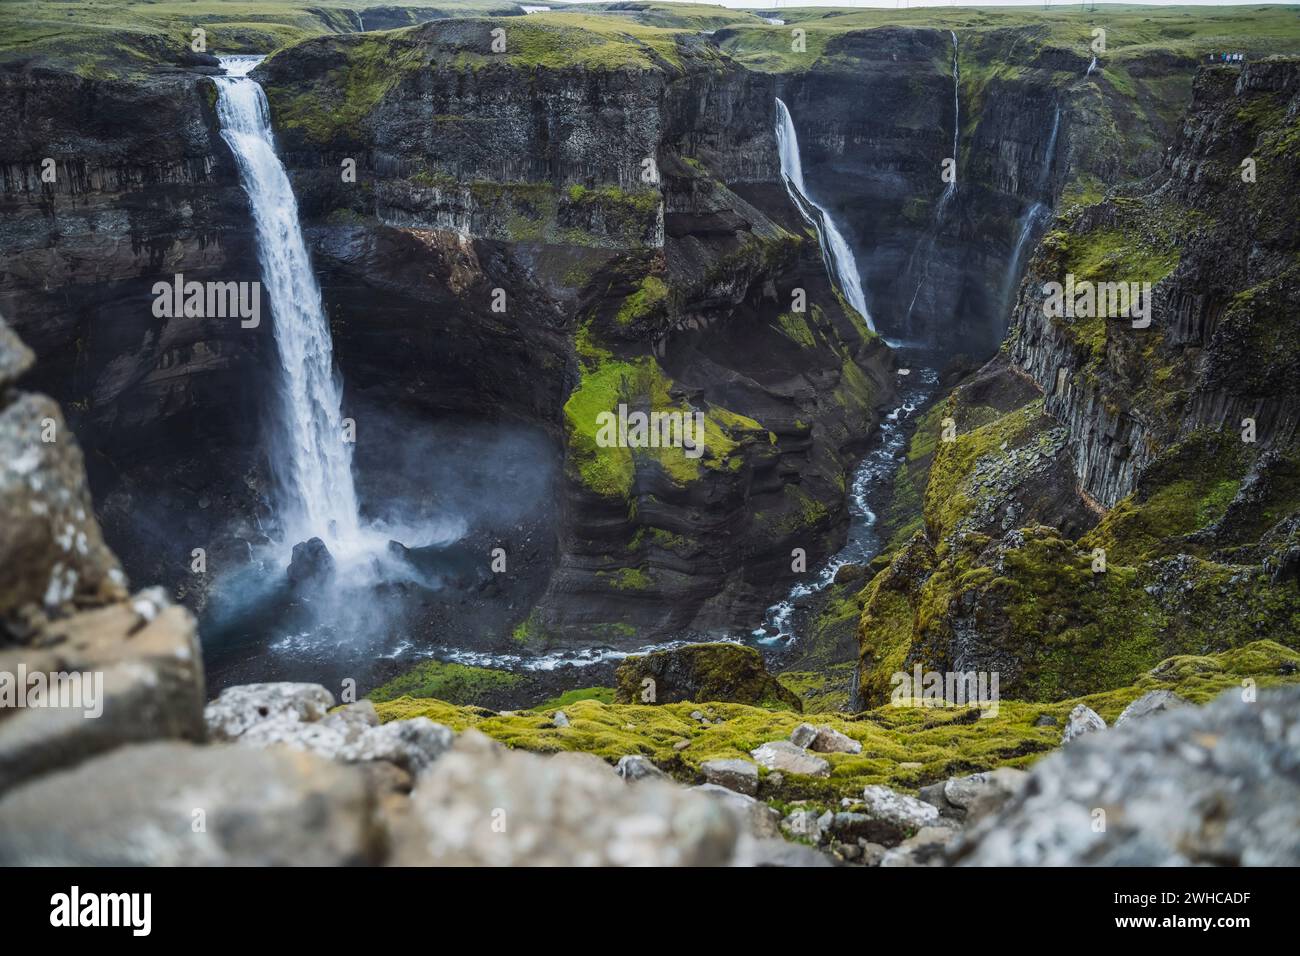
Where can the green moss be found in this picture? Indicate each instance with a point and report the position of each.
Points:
(604, 695)
(905, 747)
(643, 386)
(795, 328)
(951, 494)
(643, 302)
(454, 683)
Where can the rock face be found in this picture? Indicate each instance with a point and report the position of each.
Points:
(1243, 241)
(702, 672)
(1199, 785)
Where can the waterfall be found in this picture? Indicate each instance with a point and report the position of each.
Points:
(312, 463)
(926, 248)
(1050, 153)
(841, 265)
(951, 187)
(1091, 66)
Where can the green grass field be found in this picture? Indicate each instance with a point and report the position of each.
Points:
(118, 37)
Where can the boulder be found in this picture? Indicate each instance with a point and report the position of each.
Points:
(978, 794)
(786, 757)
(53, 560)
(924, 848)
(238, 709)
(734, 774)
(15, 357)
(1149, 704)
(824, 740)
(702, 672)
(310, 563)
(297, 716)
(141, 662)
(1210, 785)
(634, 767)
(482, 804)
(176, 804)
(1082, 720)
(756, 818)
(897, 814)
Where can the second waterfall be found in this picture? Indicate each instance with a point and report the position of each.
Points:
(311, 462)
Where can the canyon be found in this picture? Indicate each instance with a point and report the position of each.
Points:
(907, 460)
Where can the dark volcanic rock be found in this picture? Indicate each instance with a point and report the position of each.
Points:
(311, 563)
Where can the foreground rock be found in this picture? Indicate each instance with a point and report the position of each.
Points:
(702, 672)
(172, 804)
(140, 670)
(297, 716)
(1199, 785)
(484, 805)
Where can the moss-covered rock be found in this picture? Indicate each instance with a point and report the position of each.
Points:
(703, 672)
(454, 683)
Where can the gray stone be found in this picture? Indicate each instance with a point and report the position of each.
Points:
(1046, 720)
(15, 357)
(824, 740)
(1149, 704)
(561, 719)
(146, 653)
(239, 709)
(482, 804)
(905, 813)
(979, 794)
(786, 757)
(756, 817)
(296, 716)
(140, 806)
(634, 767)
(53, 560)
(1216, 785)
(1082, 720)
(924, 848)
(734, 774)
(803, 735)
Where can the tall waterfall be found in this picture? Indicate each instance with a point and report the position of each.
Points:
(840, 263)
(951, 187)
(312, 463)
